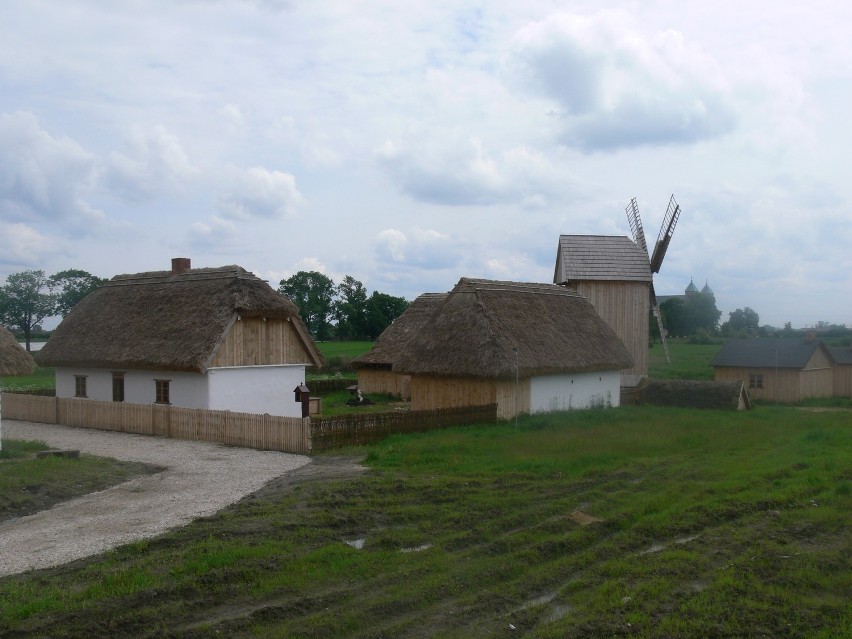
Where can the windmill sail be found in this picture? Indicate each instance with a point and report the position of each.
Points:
(635, 222)
(665, 236)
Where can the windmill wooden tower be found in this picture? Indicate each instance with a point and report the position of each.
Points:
(615, 273)
(656, 259)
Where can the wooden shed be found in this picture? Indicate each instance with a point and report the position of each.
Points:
(14, 359)
(526, 347)
(614, 274)
(216, 338)
(842, 357)
(777, 369)
(374, 369)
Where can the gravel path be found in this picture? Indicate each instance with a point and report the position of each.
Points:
(200, 479)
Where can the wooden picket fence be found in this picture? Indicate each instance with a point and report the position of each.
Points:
(264, 432)
(354, 430)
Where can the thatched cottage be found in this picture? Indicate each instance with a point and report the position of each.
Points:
(14, 359)
(526, 347)
(216, 338)
(615, 275)
(374, 368)
(777, 369)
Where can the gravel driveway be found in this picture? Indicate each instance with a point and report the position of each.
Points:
(200, 479)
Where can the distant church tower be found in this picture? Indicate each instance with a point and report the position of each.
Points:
(692, 289)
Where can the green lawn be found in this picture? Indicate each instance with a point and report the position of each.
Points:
(633, 522)
(688, 361)
(343, 349)
(41, 379)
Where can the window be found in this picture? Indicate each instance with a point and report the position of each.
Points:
(118, 387)
(755, 380)
(162, 391)
(80, 386)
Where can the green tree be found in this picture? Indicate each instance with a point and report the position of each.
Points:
(742, 321)
(71, 286)
(313, 293)
(382, 309)
(350, 308)
(25, 301)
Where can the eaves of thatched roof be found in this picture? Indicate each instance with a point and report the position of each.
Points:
(14, 360)
(391, 343)
(165, 321)
(474, 331)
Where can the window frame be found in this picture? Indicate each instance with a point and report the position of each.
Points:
(755, 381)
(162, 392)
(118, 385)
(81, 386)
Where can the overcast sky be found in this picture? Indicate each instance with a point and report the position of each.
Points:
(411, 143)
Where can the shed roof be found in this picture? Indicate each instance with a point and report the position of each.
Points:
(472, 333)
(600, 257)
(165, 321)
(14, 359)
(760, 352)
(391, 343)
(841, 355)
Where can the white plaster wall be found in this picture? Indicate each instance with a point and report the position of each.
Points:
(578, 390)
(187, 390)
(257, 389)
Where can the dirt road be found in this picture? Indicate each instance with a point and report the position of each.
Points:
(200, 479)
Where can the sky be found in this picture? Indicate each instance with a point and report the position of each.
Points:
(409, 144)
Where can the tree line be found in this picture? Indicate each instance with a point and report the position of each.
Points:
(343, 311)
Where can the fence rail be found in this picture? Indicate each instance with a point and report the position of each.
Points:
(354, 430)
(264, 432)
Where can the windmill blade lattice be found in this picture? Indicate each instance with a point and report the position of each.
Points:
(665, 236)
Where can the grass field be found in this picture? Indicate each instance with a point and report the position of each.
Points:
(688, 361)
(41, 379)
(628, 522)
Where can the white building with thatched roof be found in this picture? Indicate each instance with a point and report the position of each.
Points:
(375, 368)
(528, 348)
(215, 338)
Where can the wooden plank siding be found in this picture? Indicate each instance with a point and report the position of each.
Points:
(374, 380)
(431, 393)
(257, 342)
(624, 306)
(843, 380)
(786, 385)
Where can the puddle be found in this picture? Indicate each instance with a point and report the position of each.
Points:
(358, 544)
(416, 548)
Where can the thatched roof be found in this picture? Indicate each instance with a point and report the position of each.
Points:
(473, 332)
(767, 352)
(165, 321)
(14, 360)
(600, 257)
(391, 343)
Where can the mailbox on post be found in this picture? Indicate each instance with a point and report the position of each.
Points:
(303, 395)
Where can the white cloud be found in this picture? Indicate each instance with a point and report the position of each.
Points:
(156, 162)
(258, 193)
(41, 177)
(23, 246)
(618, 88)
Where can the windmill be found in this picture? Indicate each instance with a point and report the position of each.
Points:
(655, 260)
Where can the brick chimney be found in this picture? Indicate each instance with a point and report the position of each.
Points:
(180, 265)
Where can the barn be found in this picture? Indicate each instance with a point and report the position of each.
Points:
(615, 275)
(215, 338)
(526, 347)
(14, 359)
(777, 369)
(374, 368)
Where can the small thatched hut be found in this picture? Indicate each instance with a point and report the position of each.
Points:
(375, 374)
(526, 347)
(690, 393)
(217, 338)
(14, 359)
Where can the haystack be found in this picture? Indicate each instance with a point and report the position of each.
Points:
(14, 359)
